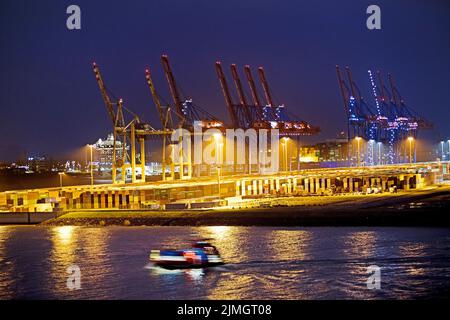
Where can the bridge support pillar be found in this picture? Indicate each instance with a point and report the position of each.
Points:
(260, 187)
(289, 186)
(406, 182)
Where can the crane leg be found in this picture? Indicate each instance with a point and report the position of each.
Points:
(133, 153)
(142, 147)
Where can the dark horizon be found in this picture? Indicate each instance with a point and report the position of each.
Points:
(51, 103)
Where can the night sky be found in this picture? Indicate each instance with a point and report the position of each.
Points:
(50, 103)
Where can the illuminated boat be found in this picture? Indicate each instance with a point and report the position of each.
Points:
(201, 255)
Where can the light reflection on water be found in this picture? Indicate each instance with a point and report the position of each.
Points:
(7, 267)
(262, 263)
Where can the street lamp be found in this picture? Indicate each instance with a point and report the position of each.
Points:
(217, 139)
(372, 155)
(219, 166)
(92, 167)
(448, 148)
(61, 178)
(379, 152)
(358, 139)
(410, 139)
(172, 163)
(284, 144)
(261, 161)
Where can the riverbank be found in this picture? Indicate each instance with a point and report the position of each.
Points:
(416, 208)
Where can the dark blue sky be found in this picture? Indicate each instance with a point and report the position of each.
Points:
(50, 103)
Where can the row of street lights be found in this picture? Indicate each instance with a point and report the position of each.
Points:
(442, 150)
(358, 151)
(61, 174)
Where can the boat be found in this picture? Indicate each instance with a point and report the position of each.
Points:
(202, 254)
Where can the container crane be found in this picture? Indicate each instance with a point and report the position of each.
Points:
(186, 110)
(235, 121)
(242, 99)
(134, 129)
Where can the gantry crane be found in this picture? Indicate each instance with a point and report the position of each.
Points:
(389, 121)
(166, 123)
(245, 115)
(185, 112)
(132, 130)
(185, 109)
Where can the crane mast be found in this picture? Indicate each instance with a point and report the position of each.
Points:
(105, 96)
(380, 80)
(173, 88)
(265, 86)
(341, 87)
(155, 97)
(241, 95)
(393, 89)
(252, 86)
(350, 81)
(226, 94)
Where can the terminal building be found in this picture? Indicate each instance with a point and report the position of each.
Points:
(332, 152)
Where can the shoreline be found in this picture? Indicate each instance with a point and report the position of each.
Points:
(427, 208)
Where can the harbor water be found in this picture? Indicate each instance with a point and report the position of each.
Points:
(261, 263)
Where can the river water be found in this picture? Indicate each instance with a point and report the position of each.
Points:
(262, 263)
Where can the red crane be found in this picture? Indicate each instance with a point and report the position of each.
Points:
(173, 89)
(241, 95)
(265, 86)
(252, 86)
(227, 95)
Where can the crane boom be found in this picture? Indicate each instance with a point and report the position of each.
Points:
(226, 94)
(393, 89)
(105, 96)
(380, 80)
(155, 97)
(265, 86)
(341, 86)
(173, 87)
(350, 80)
(241, 95)
(252, 86)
